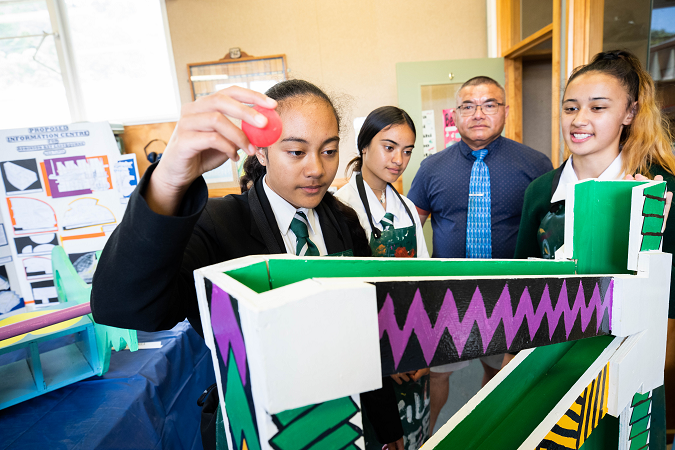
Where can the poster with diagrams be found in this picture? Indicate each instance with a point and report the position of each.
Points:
(61, 185)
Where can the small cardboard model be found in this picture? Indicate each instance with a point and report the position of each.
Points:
(43, 370)
(295, 340)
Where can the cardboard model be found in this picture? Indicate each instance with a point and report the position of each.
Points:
(295, 340)
(43, 369)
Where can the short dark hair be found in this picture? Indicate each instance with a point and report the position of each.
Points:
(379, 119)
(480, 80)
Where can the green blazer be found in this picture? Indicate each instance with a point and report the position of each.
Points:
(538, 202)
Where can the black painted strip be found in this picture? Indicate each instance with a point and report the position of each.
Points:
(564, 432)
(661, 199)
(602, 396)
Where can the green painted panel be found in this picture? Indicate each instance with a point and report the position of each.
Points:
(509, 414)
(653, 224)
(288, 416)
(639, 427)
(637, 398)
(639, 441)
(287, 271)
(604, 436)
(601, 244)
(657, 191)
(650, 243)
(339, 438)
(254, 276)
(410, 76)
(309, 427)
(640, 410)
(239, 414)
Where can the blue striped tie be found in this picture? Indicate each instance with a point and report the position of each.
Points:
(304, 246)
(478, 227)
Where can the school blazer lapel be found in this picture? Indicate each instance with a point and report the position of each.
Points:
(335, 236)
(263, 223)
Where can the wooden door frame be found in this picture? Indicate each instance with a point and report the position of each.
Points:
(576, 35)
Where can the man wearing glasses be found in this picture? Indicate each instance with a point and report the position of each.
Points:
(474, 192)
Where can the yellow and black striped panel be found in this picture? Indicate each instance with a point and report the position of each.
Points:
(576, 425)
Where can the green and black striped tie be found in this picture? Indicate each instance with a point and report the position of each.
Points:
(304, 247)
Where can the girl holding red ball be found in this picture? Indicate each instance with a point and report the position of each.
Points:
(144, 280)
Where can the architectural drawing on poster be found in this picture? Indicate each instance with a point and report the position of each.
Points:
(31, 215)
(126, 177)
(86, 212)
(38, 267)
(84, 264)
(21, 177)
(3, 235)
(37, 244)
(77, 175)
(63, 185)
(9, 301)
(44, 292)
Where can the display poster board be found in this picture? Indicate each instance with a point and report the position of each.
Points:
(61, 185)
(450, 134)
(428, 133)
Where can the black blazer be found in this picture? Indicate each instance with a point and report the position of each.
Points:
(144, 279)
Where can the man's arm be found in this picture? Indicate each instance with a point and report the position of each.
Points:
(424, 215)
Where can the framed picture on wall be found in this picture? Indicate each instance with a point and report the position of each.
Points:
(255, 73)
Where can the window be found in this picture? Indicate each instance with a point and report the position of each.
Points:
(31, 87)
(73, 60)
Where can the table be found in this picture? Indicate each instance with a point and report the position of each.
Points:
(146, 400)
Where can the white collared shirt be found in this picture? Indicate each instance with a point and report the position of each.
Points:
(568, 175)
(349, 195)
(284, 213)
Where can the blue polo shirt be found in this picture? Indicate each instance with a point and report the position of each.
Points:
(441, 186)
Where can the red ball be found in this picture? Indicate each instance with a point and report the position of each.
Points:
(264, 137)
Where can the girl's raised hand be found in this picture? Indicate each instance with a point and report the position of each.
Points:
(204, 139)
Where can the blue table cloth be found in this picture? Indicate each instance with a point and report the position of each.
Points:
(147, 400)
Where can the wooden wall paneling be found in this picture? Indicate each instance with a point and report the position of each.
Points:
(585, 28)
(555, 82)
(522, 47)
(136, 137)
(513, 68)
(596, 24)
(508, 24)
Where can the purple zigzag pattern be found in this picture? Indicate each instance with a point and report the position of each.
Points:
(448, 317)
(226, 329)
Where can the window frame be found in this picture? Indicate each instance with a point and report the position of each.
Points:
(58, 16)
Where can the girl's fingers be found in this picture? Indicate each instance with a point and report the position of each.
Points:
(213, 121)
(249, 96)
(666, 210)
(228, 102)
(203, 141)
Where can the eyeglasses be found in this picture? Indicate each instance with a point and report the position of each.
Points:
(488, 108)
